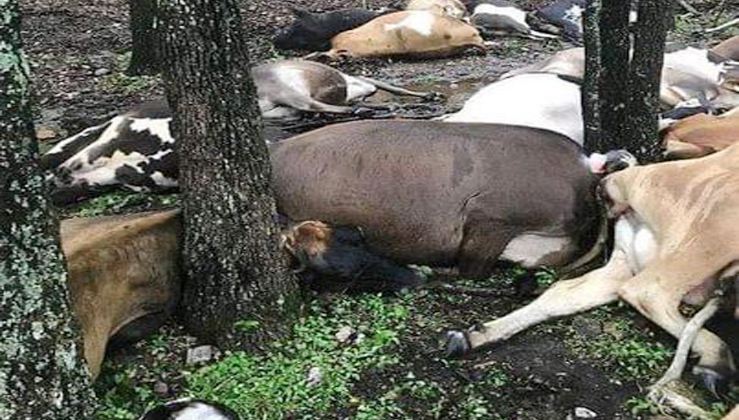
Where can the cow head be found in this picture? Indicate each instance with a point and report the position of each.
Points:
(306, 33)
(330, 257)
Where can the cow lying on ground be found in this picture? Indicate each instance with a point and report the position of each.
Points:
(123, 276)
(313, 31)
(566, 14)
(501, 17)
(700, 135)
(433, 193)
(728, 48)
(688, 73)
(676, 237)
(408, 34)
(548, 101)
(452, 8)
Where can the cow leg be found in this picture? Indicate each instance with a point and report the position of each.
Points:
(309, 104)
(566, 297)
(395, 89)
(482, 244)
(659, 300)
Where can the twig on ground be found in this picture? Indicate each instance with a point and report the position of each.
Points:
(466, 290)
(724, 26)
(687, 7)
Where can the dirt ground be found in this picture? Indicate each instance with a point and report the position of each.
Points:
(77, 50)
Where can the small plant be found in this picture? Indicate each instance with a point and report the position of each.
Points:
(116, 202)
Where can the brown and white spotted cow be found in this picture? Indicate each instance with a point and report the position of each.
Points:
(676, 237)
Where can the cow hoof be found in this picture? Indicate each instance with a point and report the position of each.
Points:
(714, 381)
(363, 112)
(434, 97)
(456, 343)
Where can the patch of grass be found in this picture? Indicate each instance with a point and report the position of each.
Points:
(119, 82)
(116, 202)
(634, 352)
(276, 385)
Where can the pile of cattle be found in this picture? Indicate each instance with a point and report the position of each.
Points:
(506, 178)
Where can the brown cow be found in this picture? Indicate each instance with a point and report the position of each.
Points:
(700, 135)
(728, 48)
(435, 193)
(677, 236)
(407, 33)
(123, 276)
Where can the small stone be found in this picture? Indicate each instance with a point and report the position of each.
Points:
(345, 334)
(585, 413)
(102, 72)
(201, 354)
(161, 389)
(315, 377)
(45, 133)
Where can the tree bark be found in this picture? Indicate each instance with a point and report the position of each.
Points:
(144, 37)
(621, 94)
(235, 271)
(42, 373)
(644, 78)
(606, 86)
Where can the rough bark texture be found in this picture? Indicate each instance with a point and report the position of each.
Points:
(606, 89)
(644, 78)
(234, 268)
(621, 94)
(144, 37)
(42, 374)
(591, 86)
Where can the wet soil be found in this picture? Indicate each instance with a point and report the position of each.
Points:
(77, 49)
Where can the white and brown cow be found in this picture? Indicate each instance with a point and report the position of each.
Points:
(688, 73)
(676, 237)
(123, 276)
(409, 34)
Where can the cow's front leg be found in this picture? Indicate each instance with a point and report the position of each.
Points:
(567, 297)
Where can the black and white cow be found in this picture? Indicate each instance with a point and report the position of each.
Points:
(313, 31)
(134, 151)
(190, 409)
(501, 17)
(566, 14)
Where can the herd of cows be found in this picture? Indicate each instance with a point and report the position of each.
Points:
(506, 178)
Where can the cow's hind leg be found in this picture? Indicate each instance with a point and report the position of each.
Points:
(657, 298)
(564, 298)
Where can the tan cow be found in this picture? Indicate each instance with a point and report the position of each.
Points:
(452, 8)
(677, 235)
(700, 135)
(407, 33)
(123, 276)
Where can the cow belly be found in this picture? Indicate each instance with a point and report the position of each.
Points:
(637, 240)
(533, 250)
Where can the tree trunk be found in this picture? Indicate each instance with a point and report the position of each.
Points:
(621, 94)
(234, 268)
(144, 37)
(42, 373)
(606, 87)
(645, 76)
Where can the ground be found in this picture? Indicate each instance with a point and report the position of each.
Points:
(601, 361)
